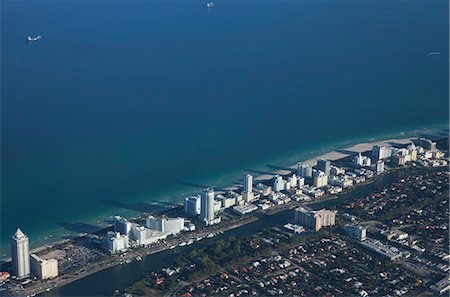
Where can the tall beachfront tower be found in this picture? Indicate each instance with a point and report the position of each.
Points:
(20, 254)
(304, 170)
(247, 193)
(324, 165)
(207, 206)
(248, 183)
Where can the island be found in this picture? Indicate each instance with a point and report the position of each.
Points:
(231, 265)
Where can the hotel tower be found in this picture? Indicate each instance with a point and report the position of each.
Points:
(20, 254)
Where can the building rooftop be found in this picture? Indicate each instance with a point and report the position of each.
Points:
(19, 234)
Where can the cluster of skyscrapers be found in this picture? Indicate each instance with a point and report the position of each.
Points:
(208, 204)
(308, 181)
(426, 150)
(318, 176)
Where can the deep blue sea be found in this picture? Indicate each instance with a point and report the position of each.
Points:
(126, 103)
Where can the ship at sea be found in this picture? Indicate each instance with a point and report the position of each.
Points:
(436, 52)
(210, 4)
(31, 39)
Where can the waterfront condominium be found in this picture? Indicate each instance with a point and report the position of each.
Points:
(320, 179)
(324, 165)
(165, 225)
(207, 206)
(248, 183)
(122, 225)
(192, 206)
(278, 183)
(247, 193)
(304, 170)
(381, 152)
(20, 254)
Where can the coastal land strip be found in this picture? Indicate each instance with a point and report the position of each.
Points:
(113, 261)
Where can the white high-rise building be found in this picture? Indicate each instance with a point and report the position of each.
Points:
(379, 167)
(324, 165)
(287, 185)
(20, 254)
(367, 162)
(412, 152)
(145, 236)
(292, 180)
(116, 242)
(122, 225)
(381, 152)
(278, 183)
(207, 206)
(320, 179)
(165, 225)
(304, 170)
(314, 219)
(248, 183)
(359, 159)
(192, 206)
(247, 193)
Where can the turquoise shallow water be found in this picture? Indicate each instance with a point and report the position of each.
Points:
(98, 212)
(139, 101)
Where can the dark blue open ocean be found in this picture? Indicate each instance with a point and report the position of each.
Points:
(127, 102)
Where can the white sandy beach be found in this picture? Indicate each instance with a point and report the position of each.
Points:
(339, 154)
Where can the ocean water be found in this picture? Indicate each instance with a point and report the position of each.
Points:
(125, 106)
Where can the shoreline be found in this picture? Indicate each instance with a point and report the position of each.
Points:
(248, 219)
(332, 155)
(331, 152)
(144, 252)
(108, 263)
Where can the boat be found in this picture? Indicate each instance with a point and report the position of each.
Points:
(435, 53)
(138, 258)
(210, 4)
(30, 39)
(183, 244)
